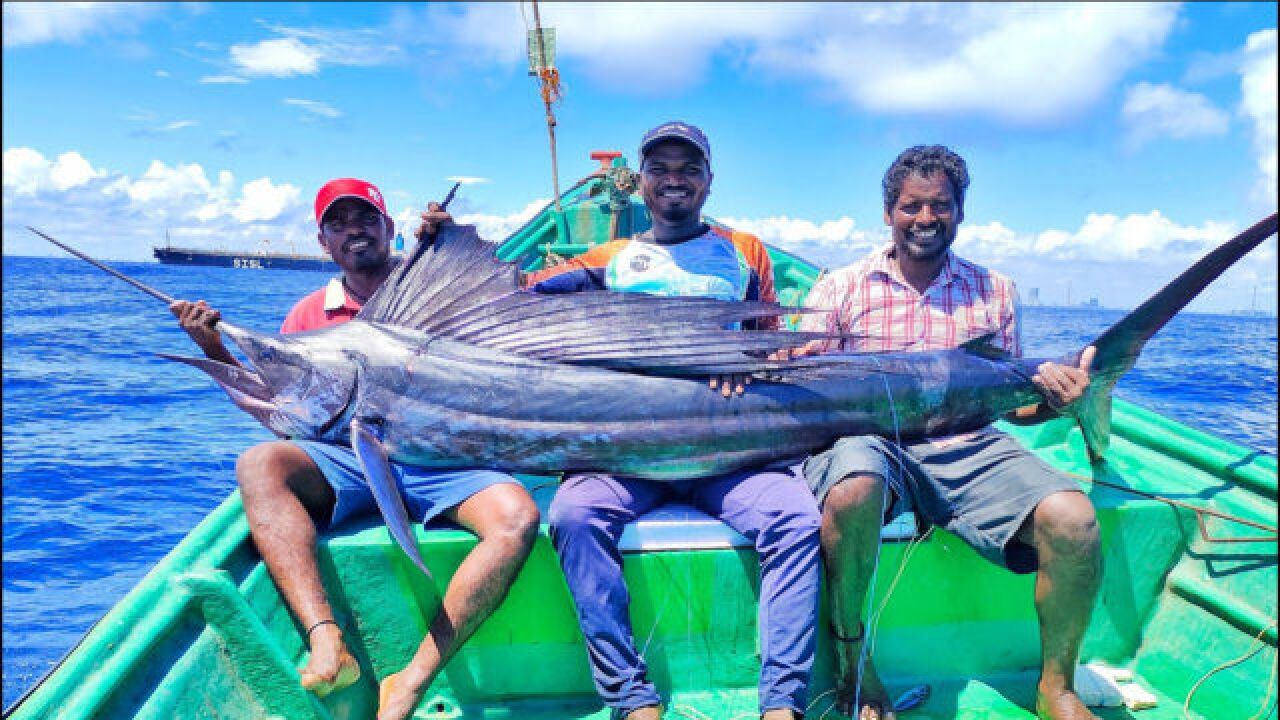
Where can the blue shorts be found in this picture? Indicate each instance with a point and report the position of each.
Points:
(426, 492)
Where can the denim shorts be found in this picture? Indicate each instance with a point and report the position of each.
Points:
(981, 486)
(426, 492)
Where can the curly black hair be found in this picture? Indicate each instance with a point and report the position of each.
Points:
(923, 161)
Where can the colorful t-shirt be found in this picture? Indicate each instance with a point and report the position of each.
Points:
(330, 305)
(872, 303)
(718, 263)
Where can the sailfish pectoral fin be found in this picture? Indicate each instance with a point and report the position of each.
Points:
(382, 483)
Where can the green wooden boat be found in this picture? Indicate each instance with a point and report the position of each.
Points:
(1189, 614)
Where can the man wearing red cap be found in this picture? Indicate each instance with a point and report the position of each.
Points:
(290, 487)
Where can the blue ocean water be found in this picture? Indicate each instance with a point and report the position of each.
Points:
(111, 454)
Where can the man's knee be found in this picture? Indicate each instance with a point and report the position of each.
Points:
(268, 469)
(855, 496)
(569, 516)
(264, 467)
(1067, 525)
(514, 519)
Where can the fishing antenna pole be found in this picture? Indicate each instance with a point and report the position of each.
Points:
(543, 66)
(107, 268)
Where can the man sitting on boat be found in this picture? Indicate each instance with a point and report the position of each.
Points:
(916, 295)
(289, 488)
(682, 256)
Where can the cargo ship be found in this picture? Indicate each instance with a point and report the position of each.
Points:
(261, 259)
(243, 260)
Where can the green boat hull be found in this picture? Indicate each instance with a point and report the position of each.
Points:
(206, 634)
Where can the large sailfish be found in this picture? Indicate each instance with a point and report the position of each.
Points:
(449, 364)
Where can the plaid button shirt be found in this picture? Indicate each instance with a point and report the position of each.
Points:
(871, 301)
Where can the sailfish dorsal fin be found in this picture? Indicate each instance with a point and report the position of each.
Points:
(456, 287)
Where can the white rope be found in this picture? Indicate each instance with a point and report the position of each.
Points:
(869, 629)
(1254, 647)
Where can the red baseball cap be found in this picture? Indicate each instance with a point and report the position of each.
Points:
(335, 190)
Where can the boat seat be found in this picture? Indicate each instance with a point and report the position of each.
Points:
(678, 526)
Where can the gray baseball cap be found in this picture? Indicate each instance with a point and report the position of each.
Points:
(676, 130)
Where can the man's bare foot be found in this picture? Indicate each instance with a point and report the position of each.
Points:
(331, 666)
(648, 712)
(873, 700)
(1061, 704)
(397, 697)
(779, 714)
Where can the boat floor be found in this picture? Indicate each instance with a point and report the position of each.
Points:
(1006, 698)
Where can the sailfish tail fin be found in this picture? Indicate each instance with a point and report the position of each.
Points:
(1119, 346)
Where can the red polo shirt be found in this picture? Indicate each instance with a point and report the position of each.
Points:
(330, 305)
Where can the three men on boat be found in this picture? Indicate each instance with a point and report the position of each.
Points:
(914, 294)
(290, 488)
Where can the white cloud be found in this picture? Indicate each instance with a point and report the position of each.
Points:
(72, 170)
(304, 51)
(1155, 111)
(222, 80)
(118, 216)
(161, 184)
(1258, 104)
(496, 228)
(27, 172)
(1028, 63)
(1101, 238)
(264, 200)
(162, 73)
(1021, 63)
(280, 57)
(830, 243)
(314, 107)
(69, 22)
(467, 180)
(1120, 260)
(168, 127)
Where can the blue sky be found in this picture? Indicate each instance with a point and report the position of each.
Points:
(1109, 144)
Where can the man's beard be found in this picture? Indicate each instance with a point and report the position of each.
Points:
(934, 251)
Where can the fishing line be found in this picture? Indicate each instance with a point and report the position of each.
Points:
(912, 544)
(1254, 647)
(869, 629)
(1268, 706)
(679, 708)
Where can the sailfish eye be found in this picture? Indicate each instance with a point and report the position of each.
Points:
(268, 354)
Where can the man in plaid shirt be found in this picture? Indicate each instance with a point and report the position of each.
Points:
(915, 295)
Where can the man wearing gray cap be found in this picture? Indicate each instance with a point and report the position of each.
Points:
(683, 256)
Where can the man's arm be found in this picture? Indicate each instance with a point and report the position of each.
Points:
(200, 321)
(433, 218)
(1062, 386)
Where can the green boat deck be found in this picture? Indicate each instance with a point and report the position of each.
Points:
(206, 634)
